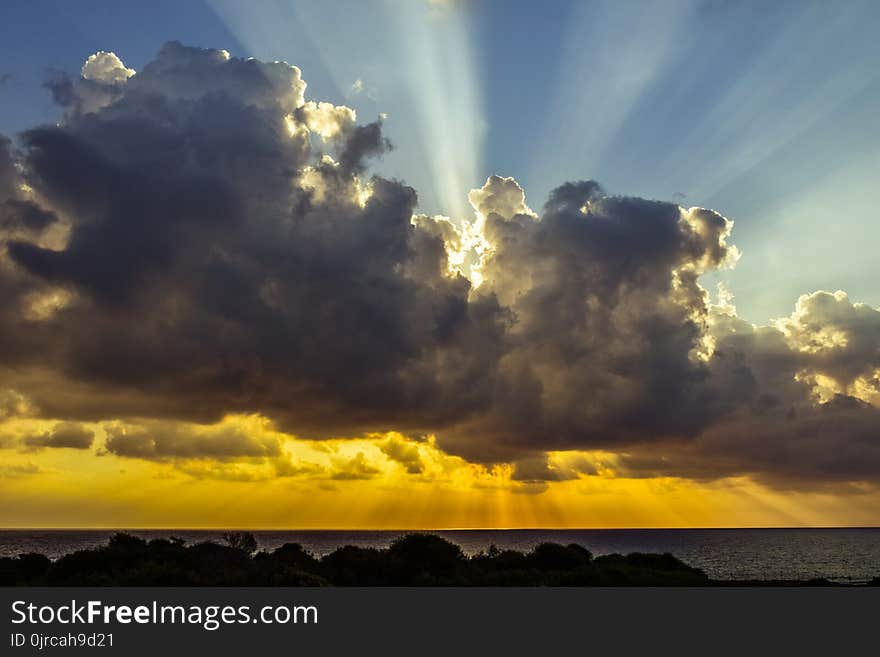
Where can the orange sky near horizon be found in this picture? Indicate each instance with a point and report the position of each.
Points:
(381, 482)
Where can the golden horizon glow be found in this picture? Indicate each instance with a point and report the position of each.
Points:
(379, 481)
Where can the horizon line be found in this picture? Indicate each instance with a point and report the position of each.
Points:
(427, 530)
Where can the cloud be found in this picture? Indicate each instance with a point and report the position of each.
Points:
(835, 442)
(167, 440)
(18, 470)
(299, 468)
(9, 176)
(500, 196)
(354, 469)
(607, 314)
(197, 240)
(25, 215)
(536, 469)
(403, 452)
(102, 80)
(326, 119)
(226, 471)
(835, 337)
(361, 88)
(199, 259)
(106, 68)
(63, 434)
(14, 404)
(801, 396)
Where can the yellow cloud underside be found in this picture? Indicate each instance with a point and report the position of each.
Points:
(377, 481)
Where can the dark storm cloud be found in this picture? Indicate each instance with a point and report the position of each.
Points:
(194, 240)
(12, 404)
(8, 174)
(130, 231)
(537, 469)
(607, 312)
(805, 394)
(24, 214)
(365, 141)
(834, 442)
(60, 86)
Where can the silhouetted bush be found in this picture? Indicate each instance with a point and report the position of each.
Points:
(243, 541)
(288, 565)
(355, 566)
(24, 569)
(293, 554)
(122, 543)
(552, 556)
(412, 560)
(638, 569)
(33, 565)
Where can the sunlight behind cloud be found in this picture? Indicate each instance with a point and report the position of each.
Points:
(421, 72)
(446, 94)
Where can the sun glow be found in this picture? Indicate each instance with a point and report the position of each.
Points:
(376, 481)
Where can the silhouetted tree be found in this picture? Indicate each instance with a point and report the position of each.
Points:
(355, 566)
(425, 559)
(243, 541)
(552, 556)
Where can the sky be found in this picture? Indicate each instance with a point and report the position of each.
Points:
(446, 263)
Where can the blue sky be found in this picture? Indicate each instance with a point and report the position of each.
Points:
(766, 112)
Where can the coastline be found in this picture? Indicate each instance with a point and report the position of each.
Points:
(412, 559)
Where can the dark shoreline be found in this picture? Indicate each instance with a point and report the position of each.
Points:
(415, 559)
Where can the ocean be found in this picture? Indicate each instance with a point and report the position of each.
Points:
(848, 555)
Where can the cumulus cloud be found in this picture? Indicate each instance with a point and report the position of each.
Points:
(803, 395)
(107, 68)
(326, 119)
(537, 469)
(403, 452)
(63, 434)
(101, 81)
(354, 468)
(500, 196)
(197, 239)
(207, 278)
(606, 317)
(169, 440)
